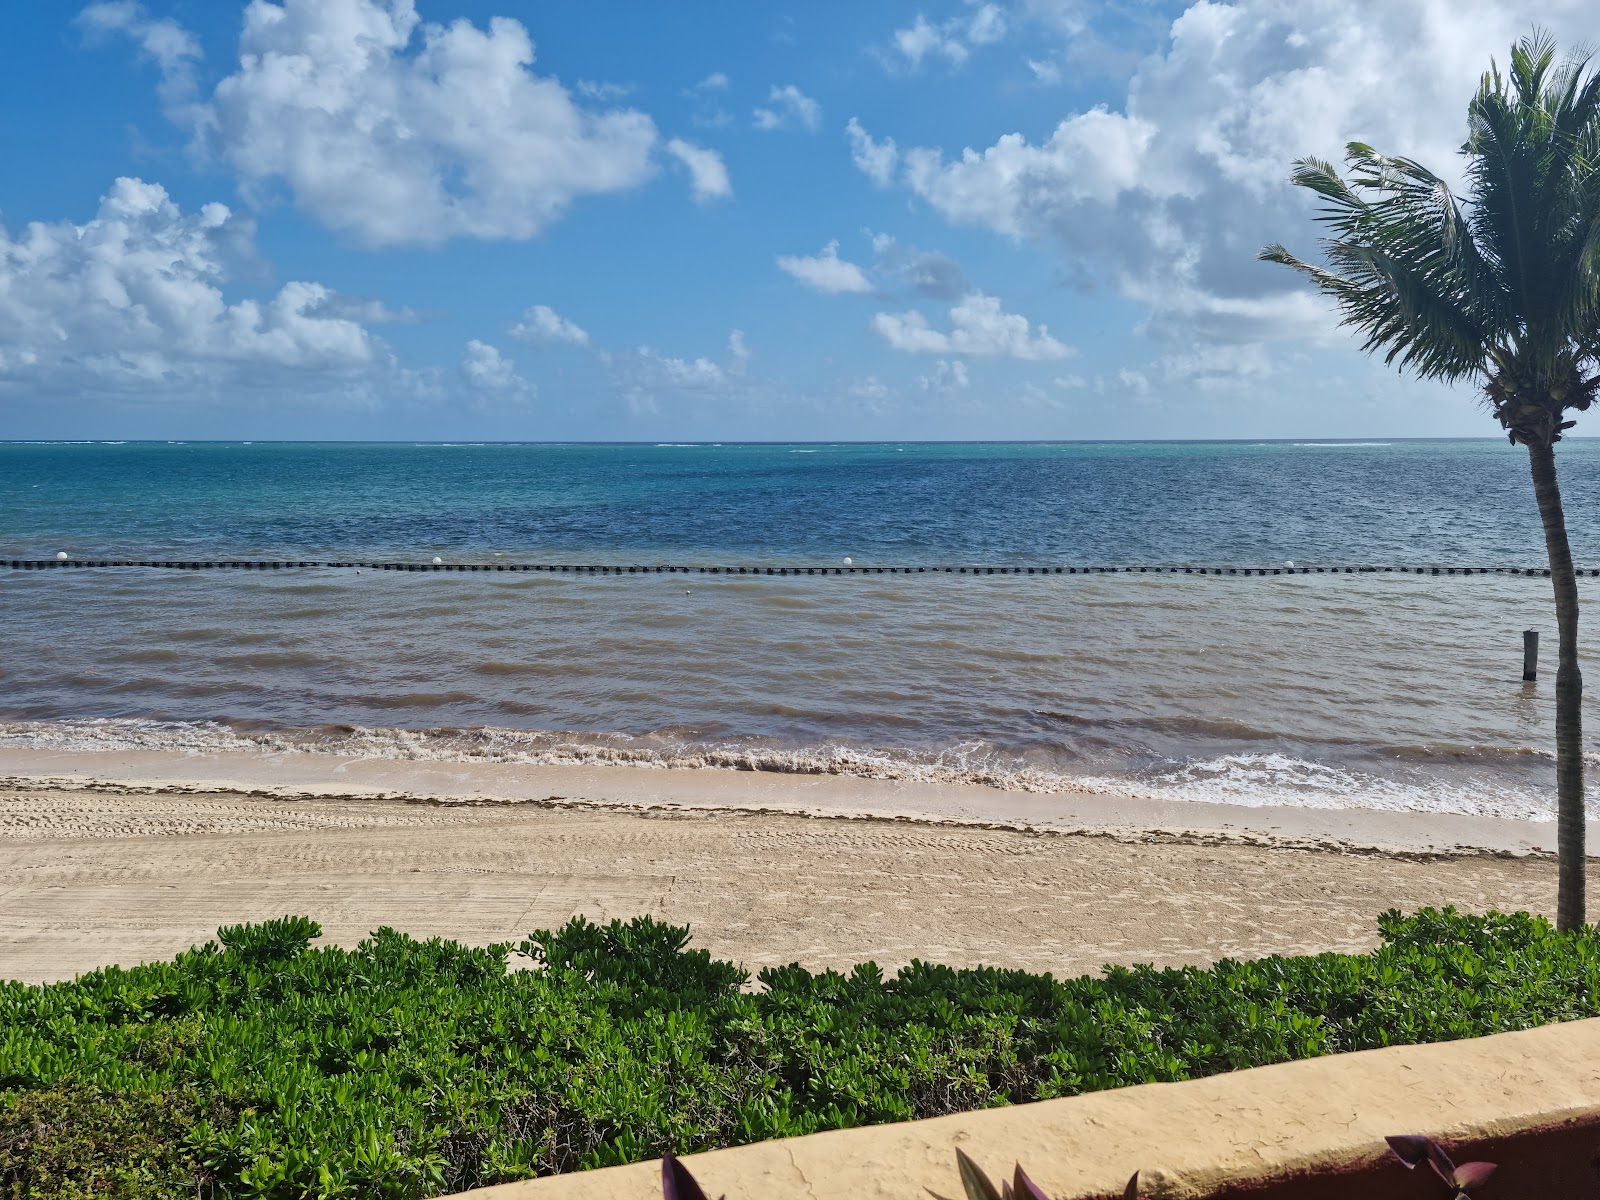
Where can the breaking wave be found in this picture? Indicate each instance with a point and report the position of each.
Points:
(1248, 779)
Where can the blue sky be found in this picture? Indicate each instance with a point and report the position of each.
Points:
(463, 219)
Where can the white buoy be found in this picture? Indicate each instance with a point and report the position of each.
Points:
(61, 555)
(1290, 563)
(437, 560)
(847, 562)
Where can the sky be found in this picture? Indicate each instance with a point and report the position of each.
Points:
(504, 220)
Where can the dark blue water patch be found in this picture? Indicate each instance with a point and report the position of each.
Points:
(1467, 502)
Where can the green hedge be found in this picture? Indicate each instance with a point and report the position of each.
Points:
(260, 1067)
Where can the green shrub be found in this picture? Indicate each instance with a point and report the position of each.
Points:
(402, 1068)
(77, 1142)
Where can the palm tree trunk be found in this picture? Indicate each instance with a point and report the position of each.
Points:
(1570, 911)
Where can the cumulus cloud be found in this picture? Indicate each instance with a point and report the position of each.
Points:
(645, 376)
(827, 272)
(131, 301)
(399, 132)
(1168, 197)
(921, 38)
(789, 106)
(978, 327)
(486, 370)
(677, 374)
(708, 174)
(951, 40)
(544, 326)
(876, 160)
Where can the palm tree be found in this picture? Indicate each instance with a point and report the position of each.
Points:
(1500, 287)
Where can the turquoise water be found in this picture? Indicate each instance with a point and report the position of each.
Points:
(1376, 691)
(1462, 501)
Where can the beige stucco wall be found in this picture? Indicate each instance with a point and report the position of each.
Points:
(1186, 1139)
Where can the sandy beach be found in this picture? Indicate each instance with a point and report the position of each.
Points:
(115, 858)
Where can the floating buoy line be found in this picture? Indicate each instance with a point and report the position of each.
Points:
(437, 564)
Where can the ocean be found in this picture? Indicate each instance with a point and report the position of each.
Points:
(1374, 690)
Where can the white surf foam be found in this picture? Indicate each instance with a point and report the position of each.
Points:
(1256, 780)
(1277, 780)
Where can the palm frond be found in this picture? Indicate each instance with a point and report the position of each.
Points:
(1503, 281)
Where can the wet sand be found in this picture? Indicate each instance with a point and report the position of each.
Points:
(117, 862)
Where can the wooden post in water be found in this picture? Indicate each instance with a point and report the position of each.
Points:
(1530, 654)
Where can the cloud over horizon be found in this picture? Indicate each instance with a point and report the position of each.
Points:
(978, 327)
(462, 179)
(131, 302)
(1168, 197)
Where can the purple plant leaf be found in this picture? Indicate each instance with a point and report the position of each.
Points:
(1024, 1188)
(1409, 1149)
(1441, 1162)
(676, 1182)
(1131, 1192)
(1471, 1175)
(973, 1179)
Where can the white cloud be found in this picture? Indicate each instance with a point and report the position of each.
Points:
(1097, 157)
(1168, 198)
(826, 271)
(877, 160)
(543, 326)
(978, 327)
(922, 38)
(789, 104)
(486, 370)
(173, 48)
(1210, 367)
(987, 25)
(398, 132)
(644, 376)
(708, 174)
(678, 374)
(949, 375)
(951, 40)
(717, 81)
(132, 301)
(1045, 71)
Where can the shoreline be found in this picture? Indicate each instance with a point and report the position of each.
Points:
(642, 788)
(94, 874)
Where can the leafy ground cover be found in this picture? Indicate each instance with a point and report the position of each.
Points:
(258, 1066)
